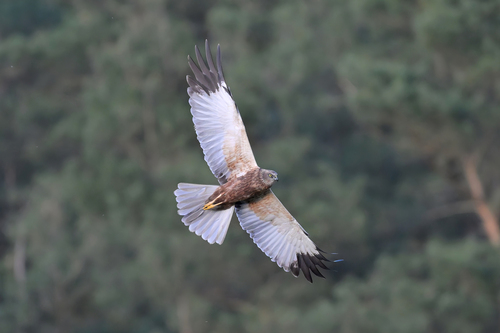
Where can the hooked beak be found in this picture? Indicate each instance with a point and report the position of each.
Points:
(276, 178)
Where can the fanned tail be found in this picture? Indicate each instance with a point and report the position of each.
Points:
(211, 225)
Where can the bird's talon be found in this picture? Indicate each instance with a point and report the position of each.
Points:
(211, 204)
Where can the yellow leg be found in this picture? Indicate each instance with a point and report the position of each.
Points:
(211, 205)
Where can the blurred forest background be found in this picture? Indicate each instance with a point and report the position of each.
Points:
(381, 117)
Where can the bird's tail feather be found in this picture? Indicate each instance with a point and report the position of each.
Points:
(211, 225)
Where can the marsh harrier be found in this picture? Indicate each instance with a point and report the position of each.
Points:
(244, 187)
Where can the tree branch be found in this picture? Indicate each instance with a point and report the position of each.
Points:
(489, 220)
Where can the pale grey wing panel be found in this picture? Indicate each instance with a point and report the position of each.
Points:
(280, 236)
(217, 121)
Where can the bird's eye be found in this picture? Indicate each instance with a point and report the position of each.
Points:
(270, 175)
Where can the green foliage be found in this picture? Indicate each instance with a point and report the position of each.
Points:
(444, 288)
(26, 16)
(364, 107)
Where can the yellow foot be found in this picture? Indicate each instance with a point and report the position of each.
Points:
(211, 204)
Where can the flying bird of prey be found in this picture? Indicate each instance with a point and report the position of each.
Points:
(244, 186)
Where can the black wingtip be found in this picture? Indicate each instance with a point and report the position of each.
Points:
(307, 263)
(208, 78)
(219, 65)
(196, 86)
(312, 265)
(303, 267)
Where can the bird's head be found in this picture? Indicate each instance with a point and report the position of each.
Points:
(269, 176)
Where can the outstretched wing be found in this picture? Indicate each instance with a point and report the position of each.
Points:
(216, 119)
(280, 236)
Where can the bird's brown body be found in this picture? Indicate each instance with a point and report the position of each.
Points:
(239, 189)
